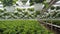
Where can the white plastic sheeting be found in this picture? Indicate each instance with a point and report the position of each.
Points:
(57, 4)
(10, 8)
(48, 1)
(1, 6)
(38, 7)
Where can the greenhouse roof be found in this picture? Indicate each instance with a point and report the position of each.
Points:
(57, 4)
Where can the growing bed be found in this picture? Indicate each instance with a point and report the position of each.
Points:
(55, 22)
(22, 27)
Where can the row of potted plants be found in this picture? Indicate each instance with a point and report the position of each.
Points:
(31, 13)
(8, 4)
(53, 14)
(57, 8)
(20, 13)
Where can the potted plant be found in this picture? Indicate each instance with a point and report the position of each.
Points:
(1, 11)
(19, 10)
(52, 8)
(57, 8)
(8, 4)
(31, 9)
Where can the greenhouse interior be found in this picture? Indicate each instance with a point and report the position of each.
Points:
(29, 16)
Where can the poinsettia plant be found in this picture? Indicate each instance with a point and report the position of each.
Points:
(36, 1)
